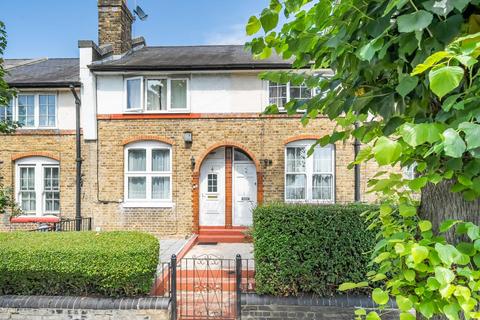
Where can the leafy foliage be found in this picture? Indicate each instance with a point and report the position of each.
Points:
(77, 263)
(406, 84)
(308, 248)
(5, 92)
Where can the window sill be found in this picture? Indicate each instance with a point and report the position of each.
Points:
(186, 111)
(146, 204)
(310, 201)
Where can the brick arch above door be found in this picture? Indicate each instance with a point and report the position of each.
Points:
(196, 177)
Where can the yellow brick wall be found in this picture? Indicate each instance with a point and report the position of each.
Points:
(103, 178)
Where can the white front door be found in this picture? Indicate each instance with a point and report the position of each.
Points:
(245, 193)
(212, 192)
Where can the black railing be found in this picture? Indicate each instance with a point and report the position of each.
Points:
(66, 225)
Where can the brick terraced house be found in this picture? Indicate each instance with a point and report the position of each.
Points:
(174, 141)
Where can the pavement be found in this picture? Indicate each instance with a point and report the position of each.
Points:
(169, 247)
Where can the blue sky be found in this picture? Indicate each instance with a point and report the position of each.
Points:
(51, 28)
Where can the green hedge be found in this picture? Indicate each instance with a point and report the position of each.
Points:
(77, 263)
(310, 248)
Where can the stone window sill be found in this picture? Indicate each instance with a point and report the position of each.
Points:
(146, 204)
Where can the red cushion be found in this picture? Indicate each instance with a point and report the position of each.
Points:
(33, 219)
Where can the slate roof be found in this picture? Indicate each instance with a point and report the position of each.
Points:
(55, 72)
(203, 57)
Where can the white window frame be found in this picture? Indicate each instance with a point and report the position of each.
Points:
(309, 173)
(149, 174)
(143, 95)
(288, 86)
(39, 163)
(36, 108)
(3, 111)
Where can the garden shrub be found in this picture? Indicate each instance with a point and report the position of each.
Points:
(77, 263)
(310, 248)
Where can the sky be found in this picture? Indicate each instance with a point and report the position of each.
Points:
(52, 28)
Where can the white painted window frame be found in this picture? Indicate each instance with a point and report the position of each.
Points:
(143, 95)
(39, 163)
(36, 108)
(149, 174)
(309, 173)
(288, 86)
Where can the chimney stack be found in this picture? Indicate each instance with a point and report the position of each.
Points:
(115, 25)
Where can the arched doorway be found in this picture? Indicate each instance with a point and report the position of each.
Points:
(227, 187)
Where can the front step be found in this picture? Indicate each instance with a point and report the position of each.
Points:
(219, 235)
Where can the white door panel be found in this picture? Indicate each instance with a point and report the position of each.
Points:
(245, 193)
(212, 192)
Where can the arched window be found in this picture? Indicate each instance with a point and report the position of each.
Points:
(309, 179)
(148, 174)
(37, 185)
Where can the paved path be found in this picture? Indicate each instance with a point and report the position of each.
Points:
(169, 247)
(222, 250)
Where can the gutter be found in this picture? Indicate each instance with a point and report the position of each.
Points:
(78, 162)
(191, 67)
(44, 84)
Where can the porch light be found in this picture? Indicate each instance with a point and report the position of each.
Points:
(188, 137)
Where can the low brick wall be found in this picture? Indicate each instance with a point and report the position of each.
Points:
(82, 308)
(307, 307)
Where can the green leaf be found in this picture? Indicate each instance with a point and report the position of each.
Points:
(444, 80)
(460, 4)
(430, 62)
(404, 304)
(416, 21)
(454, 146)
(447, 253)
(368, 50)
(409, 275)
(427, 309)
(407, 210)
(347, 286)
(406, 85)
(406, 316)
(386, 151)
(418, 183)
(360, 312)
(417, 134)
(373, 316)
(425, 225)
(419, 253)
(269, 19)
(447, 224)
(472, 134)
(443, 275)
(451, 311)
(253, 25)
(379, 296)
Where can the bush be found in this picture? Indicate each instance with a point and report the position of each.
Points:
(77, 263)
(310, 248)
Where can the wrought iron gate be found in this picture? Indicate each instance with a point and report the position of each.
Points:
(206, 287)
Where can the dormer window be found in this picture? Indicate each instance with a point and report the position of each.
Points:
(156, 94)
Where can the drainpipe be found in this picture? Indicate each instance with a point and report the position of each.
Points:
(78, 161)
(356, 148)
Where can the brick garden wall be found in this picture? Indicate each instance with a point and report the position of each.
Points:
(81, 308)
(256, 307)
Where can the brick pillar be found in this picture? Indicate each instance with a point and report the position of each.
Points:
(228, 187)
